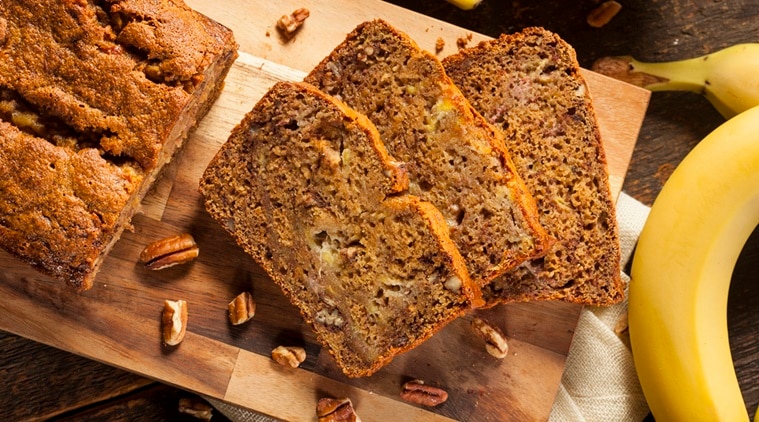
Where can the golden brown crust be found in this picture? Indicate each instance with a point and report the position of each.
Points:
(529, 84)
(305, 186)
(95, 97)
(455, 159)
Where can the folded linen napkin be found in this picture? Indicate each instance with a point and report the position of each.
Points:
(599, 381)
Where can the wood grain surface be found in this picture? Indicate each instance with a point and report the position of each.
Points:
(40, 382)
(116, 322)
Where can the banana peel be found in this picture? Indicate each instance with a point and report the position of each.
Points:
(681, 274)
(728, 78)
(465, 4)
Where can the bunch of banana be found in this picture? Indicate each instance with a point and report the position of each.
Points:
(681, 275)
(729, 78)
(465, 4)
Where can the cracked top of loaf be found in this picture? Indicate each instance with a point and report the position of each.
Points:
(95, 97)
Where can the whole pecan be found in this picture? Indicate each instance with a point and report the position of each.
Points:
(336, 410)
(419, 393)
(170, 251)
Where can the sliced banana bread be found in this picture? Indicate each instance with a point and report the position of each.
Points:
(95, 99)
(529, 84)
(306, 187)
(454, 158)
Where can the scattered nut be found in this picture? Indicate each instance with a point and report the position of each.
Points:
(336, 410)
(289, 356)
(495, 341)
(603, 14)
(174, 320)
(418, 393)
(196, 407)
(242, 308)
(169, 252)
(289, 24)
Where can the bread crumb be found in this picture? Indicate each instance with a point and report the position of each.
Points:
(439, 44)
(462, 42)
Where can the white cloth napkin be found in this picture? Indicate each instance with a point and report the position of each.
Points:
(599, 381)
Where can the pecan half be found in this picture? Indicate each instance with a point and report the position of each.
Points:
(196, 407)
(174, 321)
(495, 341)
(336, 410)
(168, 252)
(289, 356)
(242, 308)
(418, 393)
(603, 14)
(289, 24)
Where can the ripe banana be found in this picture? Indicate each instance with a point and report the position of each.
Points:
(681, 274)
(465, 4)
(728, 78)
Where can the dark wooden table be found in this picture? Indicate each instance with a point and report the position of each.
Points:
(38, 382)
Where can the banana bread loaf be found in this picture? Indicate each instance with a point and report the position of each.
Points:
(95, 98)
(305, 186)
(529, 84)
(454, 158)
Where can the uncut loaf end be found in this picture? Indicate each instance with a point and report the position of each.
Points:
(95, 99)
(304, 185)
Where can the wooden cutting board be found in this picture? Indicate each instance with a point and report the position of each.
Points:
(117, 322)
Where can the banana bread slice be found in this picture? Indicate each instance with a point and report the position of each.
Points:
(454, 158)
(95, 98)
(305, 186)
(529, 84)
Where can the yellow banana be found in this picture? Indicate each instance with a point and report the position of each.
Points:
(729, 78)
(465, 4)
(681, 274)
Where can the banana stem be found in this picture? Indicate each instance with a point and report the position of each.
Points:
(465, 4)
(682, 75)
